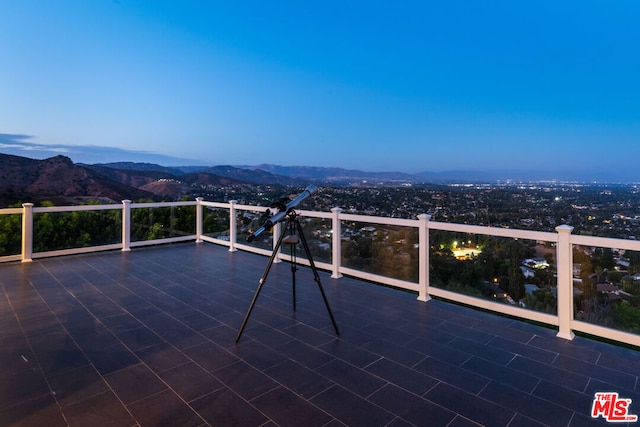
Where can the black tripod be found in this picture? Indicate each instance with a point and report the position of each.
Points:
(292, 226)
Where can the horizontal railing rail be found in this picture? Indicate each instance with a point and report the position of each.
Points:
(562, 239)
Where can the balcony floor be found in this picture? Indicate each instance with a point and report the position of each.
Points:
(147, 338)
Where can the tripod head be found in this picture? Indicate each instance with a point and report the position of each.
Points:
(283, 210)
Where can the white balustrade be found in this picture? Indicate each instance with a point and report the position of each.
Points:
(562, 238)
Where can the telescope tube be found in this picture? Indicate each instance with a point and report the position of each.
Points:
(268, 225)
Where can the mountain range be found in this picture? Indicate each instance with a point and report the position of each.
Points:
(299, 175)
(59, 180)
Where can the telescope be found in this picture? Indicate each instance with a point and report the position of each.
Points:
(283, 211)
(292, 226)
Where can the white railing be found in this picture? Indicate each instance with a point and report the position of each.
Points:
(562, 239)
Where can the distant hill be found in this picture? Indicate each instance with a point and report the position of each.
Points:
(340, 176)
(208, 179)
(133, 177)
(58, 180)
(143, 167)
(166, 182)
(265, 174)
(333, 175)
(239, 174)
(253, 175)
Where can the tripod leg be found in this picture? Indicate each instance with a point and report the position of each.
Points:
(263, 279)
(316, 276)
(294, 266)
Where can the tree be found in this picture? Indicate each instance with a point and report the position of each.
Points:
(516, 283)
(541, 300)
(10, 237)
(627, 317)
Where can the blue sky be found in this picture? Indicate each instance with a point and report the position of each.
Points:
(395, 86)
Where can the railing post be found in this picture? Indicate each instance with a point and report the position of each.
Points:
(199, 219)
(336, 243)
(565, 282)
(423, 255)
(27, 232)
(126, 225)
(232, 225)
(275, 232)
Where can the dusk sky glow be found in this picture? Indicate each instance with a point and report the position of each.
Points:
(406, 86)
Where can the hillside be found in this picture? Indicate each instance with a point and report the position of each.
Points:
(333, 175)
(253, 176)
(132, 177)
(62, 182)
(58, 180)
(140, 167)
(244, 174)
(159, 181)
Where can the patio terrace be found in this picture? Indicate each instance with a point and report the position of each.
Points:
(147, 338)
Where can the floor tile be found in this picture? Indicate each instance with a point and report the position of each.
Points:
(540, 409)
(349, 352)
(351, 377)
(299, 379)
(304, 354)
(565, 397)
(470, 406)
(78, 384)
(38, 412)
(139, 338)
(162, 356)
(549, 373)
(100, 410)
(395, 352)
(351, 409)
(401, 376)
(410, 407)
(487, 352)
(453, 375)
(287, 409)
(502, 374)
(190, 381)
(16, 387)
(225, 408)
(121, 323)
(112, 359)
(257, 354)
(210, 356)
(616, 377)
(245, 380)
(164, 409)
(134, 383)
(524, 350)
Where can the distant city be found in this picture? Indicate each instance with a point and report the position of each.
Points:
(592, 209)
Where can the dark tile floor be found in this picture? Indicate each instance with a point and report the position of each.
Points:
(147, 338)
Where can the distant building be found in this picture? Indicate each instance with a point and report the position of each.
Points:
(610, 290)
(527, 272)
(536, 263)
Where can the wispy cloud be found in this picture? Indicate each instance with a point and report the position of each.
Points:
(26, 147)
(21, 145)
